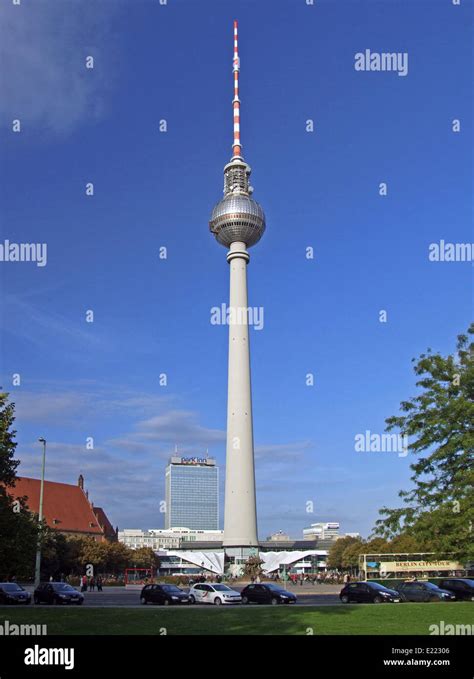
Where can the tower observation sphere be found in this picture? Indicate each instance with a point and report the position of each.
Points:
(237, 217)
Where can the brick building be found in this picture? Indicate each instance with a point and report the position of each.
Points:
(66, 508)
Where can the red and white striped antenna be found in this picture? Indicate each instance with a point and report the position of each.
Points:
(237, 146)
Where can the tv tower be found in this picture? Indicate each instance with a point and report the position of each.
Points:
(238, 222)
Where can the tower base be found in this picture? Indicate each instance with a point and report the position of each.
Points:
(236, 557)
(240, 554)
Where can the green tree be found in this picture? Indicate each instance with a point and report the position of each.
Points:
(119, 557)
(94, 553)
(8, 444)
(18, 536)
(145, 557)
(377, 546)
(439, 424)
(18, 528)
(55, 554)
(406, 544)
(350, 556)
(71, 556)
(337, 550)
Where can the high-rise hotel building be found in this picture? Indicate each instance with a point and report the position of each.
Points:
(192, 493)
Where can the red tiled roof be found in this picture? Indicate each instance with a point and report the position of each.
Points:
(104, 522)
(64, 502)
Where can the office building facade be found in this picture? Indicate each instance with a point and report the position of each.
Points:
(192, 493)
(322, 531)
(162, 538)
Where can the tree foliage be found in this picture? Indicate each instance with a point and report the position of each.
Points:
(18, 528)
(145, 557)
(336, 552)
(8, 444)
(438, 511)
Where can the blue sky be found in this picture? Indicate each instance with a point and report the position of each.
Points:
(155, 189)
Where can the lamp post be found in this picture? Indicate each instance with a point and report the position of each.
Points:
(38, 547)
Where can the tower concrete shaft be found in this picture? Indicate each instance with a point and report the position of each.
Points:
(240, 515)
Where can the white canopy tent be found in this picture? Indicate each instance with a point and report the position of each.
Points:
(273, 561)
(213, 562)
(209, 561)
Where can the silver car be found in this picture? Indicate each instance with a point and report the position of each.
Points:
(204, 593)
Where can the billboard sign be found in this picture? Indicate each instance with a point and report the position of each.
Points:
(425, 566)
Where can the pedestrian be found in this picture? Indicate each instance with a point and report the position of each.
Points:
(84, 584)
(92, 584)
(99, 583)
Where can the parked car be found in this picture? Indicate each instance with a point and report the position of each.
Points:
(163, 594)
(205, 593)
(267, 593)
(424, 591)
(462, 588)
(368, 592)
(12, 593)
(57, 593)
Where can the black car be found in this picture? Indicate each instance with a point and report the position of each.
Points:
(57, 593)
(368, 593)
(462, 588)
(423, 591)
(163, 594)
(266, 594)
(11, 593)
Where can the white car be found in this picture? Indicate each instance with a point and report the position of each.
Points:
(204, 593)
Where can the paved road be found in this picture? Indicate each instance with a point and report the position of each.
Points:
(308, 595)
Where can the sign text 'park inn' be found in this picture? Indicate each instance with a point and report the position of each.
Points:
(397, 566)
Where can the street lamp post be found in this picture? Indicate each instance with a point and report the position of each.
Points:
(38, 547)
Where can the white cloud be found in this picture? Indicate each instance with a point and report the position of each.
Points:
(75, 403)
(124, 473)
(35, 325)
(282, 452)
(178, 425)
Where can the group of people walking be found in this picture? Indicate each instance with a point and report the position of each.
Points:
(91, 583)
(320, 578)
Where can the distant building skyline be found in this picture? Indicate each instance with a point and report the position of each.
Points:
(171, 538)
(322, 530)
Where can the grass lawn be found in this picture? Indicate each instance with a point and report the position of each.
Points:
(352, 619)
